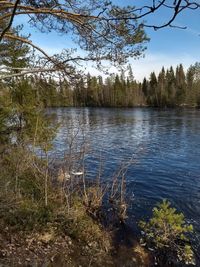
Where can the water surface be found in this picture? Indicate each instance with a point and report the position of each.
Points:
(165, 145)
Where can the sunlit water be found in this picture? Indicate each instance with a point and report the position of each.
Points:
(165, 146)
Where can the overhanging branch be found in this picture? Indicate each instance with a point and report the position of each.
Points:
(11, 20)
(26, 72)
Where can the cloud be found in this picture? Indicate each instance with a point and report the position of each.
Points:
(152, 62)
(155, 61)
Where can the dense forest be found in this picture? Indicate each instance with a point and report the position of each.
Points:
(170, 88)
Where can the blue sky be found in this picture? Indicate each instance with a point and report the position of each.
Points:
(167, 46)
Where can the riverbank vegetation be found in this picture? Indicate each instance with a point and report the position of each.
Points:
(50, 210)
(51, 214)
(167, 233)
(48, 216)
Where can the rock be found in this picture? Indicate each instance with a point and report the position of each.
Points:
(46, 237)
(134, 259)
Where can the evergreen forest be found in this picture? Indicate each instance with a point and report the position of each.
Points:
(170, 88)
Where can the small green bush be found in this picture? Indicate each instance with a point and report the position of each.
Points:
(167, 232)
(28, 216)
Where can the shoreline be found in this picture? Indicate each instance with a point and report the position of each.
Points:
(184, 107)
(46, 248)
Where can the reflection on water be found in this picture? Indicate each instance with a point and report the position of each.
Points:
(165, 145)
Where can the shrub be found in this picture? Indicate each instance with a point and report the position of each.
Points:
(27, 216)
(167, 232)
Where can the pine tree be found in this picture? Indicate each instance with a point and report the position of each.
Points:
(145, 87)
(180, 85)
(190, 80)
(118, 91)
(193, 84)
(170, 87)
(130, 73)
(161, 89)
(24, 120)
(108, 92)
(100, 91)
(14, 54)
(153, 94)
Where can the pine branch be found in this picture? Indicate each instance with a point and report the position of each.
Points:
(11, 20)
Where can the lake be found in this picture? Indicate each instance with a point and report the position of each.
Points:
(164, 145)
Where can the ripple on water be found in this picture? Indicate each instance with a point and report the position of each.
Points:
(165, 146)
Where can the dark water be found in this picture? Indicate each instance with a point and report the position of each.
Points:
(165, 145)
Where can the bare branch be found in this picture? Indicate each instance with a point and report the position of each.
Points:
(11, 20)
(30, 71)
(26, 41)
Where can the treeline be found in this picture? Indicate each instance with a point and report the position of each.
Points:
(115, 91)
(170, 88)
(173, 88)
